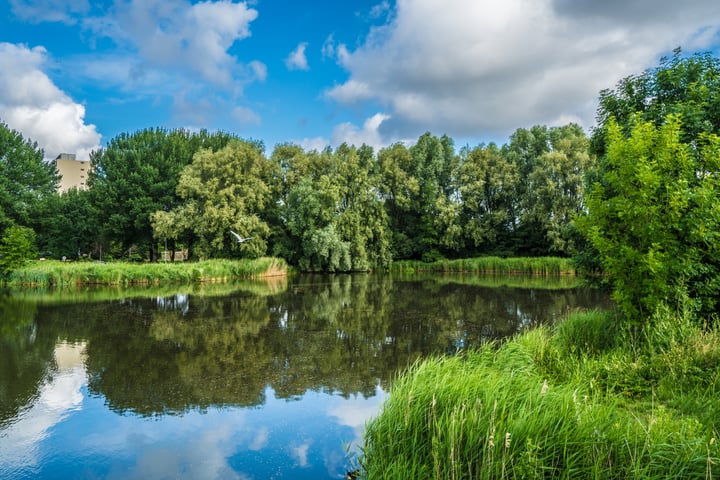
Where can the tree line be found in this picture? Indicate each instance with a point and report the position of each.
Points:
(638, 198)
(342, 209)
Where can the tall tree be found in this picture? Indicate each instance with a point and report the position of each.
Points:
(136, 175)
(334, 212)
(24, 178)
(418, 183)
(688, 86)
(556, 185)
(488, 184)
(66, 225)
(223, 191)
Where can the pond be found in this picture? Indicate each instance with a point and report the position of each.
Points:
(249, 380)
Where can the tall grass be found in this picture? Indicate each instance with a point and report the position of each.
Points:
(56, 273)
(574, 401)
(518, 265)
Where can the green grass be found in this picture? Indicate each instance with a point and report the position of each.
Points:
(61, 274)
(587, 398)
(518, 265)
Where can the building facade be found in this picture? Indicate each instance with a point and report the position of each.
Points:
(73, 172)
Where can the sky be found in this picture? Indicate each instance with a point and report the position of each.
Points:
(76, 73)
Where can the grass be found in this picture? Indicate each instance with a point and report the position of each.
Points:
(61, 274)
(588, 398)
(518, 265)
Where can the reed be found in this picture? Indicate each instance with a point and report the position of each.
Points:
(61, 274)
(556, 403)
(518, 265)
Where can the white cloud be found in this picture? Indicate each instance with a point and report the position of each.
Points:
(37, 11)
(469, 68)
(175, 34)
(351, 134)
(33, 105)
(369, 134)
(297, 59)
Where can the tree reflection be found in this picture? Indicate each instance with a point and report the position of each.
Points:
(342, 334)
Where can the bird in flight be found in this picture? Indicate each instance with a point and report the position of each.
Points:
(239, 238)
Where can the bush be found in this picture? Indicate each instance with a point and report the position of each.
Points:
(16, 246)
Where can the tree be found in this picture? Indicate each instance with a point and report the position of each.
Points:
(417, 184)
(556, 185)
(136, 175)
(16, 246)
(654, 216)
(684, 86)
(488, 184)
(66, 225)
(24, 178)
(334, 213)
(223, 190)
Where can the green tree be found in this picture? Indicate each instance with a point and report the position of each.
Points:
(223, 190)
(66, 225)
(488, 184)
(16, 246)
(335, 216)
(654, 216)
(556, 185)
(419, 185)
(24, 178)
(684, 86)
(137, 174)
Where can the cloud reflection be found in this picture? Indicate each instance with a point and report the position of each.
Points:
(60, 395)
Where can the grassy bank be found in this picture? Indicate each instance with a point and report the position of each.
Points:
(586, 399)
(519, 265)
(56, 273)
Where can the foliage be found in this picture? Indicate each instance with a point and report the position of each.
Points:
(24, 178)
(16, 247)
(531, 408)
(67, 225)
(223, 191)
(688, 87)
(654, 217)
(137, 174)
(333, 217)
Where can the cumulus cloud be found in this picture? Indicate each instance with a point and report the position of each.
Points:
(469, 68)
(175, 34)
(297, 59)
(348, 132)
(32, 104)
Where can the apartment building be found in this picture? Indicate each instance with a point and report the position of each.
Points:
(73, 172)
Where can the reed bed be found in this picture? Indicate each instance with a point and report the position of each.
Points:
(62, 274)
(584, 399)
(518, 265)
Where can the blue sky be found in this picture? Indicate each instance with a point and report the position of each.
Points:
(76, 73)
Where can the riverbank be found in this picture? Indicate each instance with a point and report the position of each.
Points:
(589, 398)
(495, 265)
(60, 274)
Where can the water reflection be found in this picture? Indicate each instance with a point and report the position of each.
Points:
(253, 381)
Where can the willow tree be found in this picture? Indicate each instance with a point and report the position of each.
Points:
(136, 175)
(334, 213)
(223, 191)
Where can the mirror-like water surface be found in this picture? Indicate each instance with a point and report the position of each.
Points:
(255, 380)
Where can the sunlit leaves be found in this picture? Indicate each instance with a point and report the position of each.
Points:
(652, 215)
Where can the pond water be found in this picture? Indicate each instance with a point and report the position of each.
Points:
(250, 380)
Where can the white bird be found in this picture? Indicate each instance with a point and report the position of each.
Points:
(239, 238)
